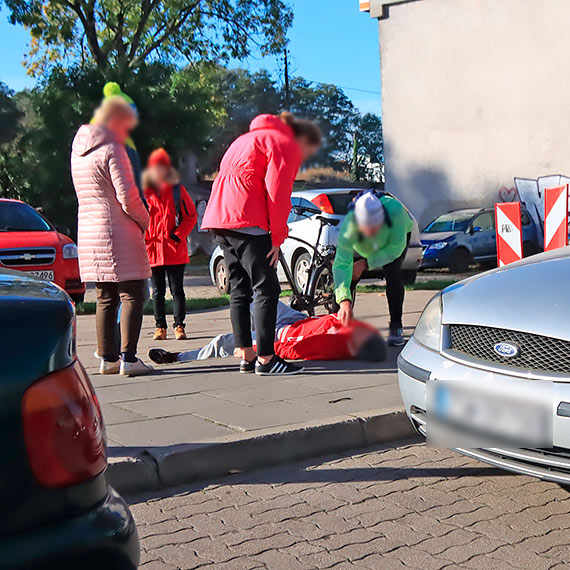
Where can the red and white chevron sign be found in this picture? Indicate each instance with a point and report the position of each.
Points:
(555, 217)
(509, 233)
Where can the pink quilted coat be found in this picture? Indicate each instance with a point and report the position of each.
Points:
(112, 218)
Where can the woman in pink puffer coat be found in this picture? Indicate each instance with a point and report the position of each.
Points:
(112, 220)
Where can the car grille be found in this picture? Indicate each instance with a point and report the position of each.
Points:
(536, 352)
(27, 256)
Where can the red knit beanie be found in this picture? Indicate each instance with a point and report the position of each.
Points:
(159, 157)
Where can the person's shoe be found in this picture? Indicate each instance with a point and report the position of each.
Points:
(107, 367)
(246, 367)
(396, 337)
(277, 367)
(159, 334)
(159, 356)
(137, 368)
(180, 333)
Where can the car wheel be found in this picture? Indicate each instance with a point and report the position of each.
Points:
(301, 270)
(409, 276)
(78, 298)
(221, 274)
(460, 261)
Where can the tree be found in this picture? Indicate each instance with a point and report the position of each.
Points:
(119, 36)
(10, 114)
(336, 115)
(178, 108)
(368, 149)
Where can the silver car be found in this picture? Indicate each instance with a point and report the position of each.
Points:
(487, 370)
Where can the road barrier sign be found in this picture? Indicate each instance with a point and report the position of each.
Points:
(555, 217)
(509, 233)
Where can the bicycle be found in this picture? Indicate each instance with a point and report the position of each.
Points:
(318, 290)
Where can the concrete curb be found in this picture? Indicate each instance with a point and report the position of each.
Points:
(160, 467)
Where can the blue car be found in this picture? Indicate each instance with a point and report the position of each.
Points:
(462, 237)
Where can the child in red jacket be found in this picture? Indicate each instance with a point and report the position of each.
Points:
(172, 218)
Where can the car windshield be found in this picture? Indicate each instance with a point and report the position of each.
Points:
(449, 223)
(19, 217)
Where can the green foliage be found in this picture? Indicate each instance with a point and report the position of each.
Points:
(368, 148)
(178, 109)
(121, 36)
(10, 114)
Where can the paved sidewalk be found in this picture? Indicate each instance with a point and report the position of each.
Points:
(389, 507)
(189, 407)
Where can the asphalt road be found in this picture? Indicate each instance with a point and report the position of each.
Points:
(407, 506)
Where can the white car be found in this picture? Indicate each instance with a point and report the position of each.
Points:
(487, 370)
(330, 203)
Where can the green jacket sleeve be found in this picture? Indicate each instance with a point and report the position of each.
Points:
(344, 259)
(401, 226)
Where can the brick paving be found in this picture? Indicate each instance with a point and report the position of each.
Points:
(406, 506)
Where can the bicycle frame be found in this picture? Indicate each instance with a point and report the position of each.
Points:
(304, 299)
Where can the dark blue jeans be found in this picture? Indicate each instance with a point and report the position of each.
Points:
(175, 276)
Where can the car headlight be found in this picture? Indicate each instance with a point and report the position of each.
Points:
(428, 329)
(438, 245)
(69, 251)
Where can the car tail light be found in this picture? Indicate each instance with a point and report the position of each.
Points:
(322, 202)
(63, 428)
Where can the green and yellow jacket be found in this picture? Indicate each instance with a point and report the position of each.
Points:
(383, 248)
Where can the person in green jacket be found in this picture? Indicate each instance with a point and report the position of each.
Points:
(374, 234)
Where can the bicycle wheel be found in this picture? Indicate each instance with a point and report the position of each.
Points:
(322, 291)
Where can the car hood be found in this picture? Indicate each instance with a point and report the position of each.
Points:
(427, 238)
(529, 296)
(29, 239)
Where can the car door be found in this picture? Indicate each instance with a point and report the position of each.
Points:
(483, 237)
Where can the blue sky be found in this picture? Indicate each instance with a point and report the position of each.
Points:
(330, 42)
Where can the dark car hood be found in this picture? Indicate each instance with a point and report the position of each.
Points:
(427, 238)
(529, 295)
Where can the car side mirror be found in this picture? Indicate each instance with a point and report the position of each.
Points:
(475, 229)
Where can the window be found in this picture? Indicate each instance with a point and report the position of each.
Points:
(485, 221)
(18, 217)
(525, 218)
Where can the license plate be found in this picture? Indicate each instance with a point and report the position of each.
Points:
(47, 275)
(489, 414)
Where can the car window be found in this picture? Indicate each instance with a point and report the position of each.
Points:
(452, 222)
(292, 214)
(19, 217)
(340, 201)
(485, 221)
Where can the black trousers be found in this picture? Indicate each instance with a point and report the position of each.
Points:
(175, 276)
(249, 272)
(394, 288)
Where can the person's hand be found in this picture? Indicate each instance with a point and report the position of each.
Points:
(345, 314)
(273, 256)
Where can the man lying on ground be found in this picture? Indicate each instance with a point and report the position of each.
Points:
(297, 338)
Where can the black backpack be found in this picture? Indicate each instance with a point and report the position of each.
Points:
(176, 195)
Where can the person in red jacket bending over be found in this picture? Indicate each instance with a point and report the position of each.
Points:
(172, 217)
(248, 211)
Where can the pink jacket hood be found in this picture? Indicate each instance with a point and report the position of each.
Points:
(90, 137)
(270, 122)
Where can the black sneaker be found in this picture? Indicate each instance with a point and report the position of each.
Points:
(277, 367)
(396, 337)
(160, 356)
(246, 367)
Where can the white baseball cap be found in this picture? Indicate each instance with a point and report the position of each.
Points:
(368, 211)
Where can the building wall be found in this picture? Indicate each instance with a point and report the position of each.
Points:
(475, 92)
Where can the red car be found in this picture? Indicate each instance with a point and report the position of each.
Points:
(28, 242)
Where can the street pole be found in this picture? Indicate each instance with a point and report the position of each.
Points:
(287, 92)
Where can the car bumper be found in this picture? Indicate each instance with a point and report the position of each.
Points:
(415, 366)
(103, 537)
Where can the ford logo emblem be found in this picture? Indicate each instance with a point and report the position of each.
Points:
(506, 349)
